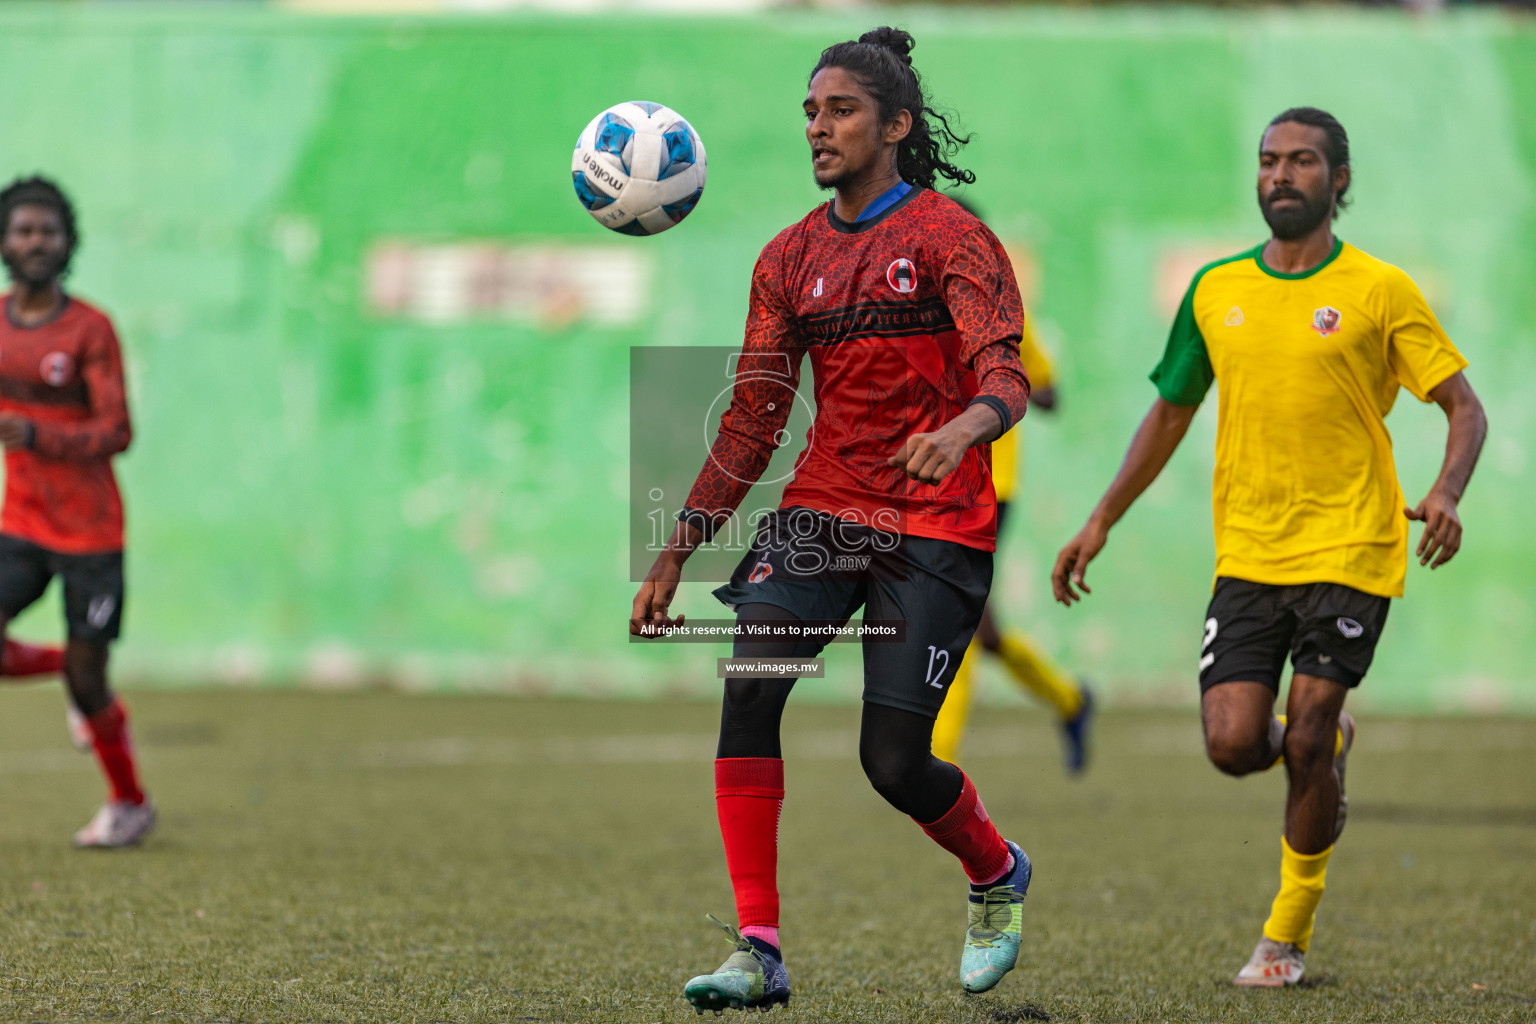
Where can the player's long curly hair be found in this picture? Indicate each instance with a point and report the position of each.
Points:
(880, 61)
(39, 191)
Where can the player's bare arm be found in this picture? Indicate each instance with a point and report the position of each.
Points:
(929, 458)
(15, 431)
(1468, 427)
(660, 586)
(1159, 434)
(716, 490)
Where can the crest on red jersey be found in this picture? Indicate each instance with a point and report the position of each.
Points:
(57, 368)
(902, 276)
(1325, 321)
(760, 572)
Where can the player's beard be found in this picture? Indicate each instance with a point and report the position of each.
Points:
(36, 274)
(830, 183)
(836, 179)
(1298, 221)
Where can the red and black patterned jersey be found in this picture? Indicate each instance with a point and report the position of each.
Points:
(908, 318)
(66, 377)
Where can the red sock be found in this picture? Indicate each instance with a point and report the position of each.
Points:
(749, 794)
(109, 732)
(19, 659)
(967, 832)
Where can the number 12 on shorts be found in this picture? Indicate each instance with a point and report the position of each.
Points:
(1207, 658)
(935, 678)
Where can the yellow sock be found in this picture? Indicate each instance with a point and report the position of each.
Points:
(950, 725)
(1039, 675)
(1338, 741)
(1301, 886)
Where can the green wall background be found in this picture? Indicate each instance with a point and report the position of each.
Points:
(320, 494)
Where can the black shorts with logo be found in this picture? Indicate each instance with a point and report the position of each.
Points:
(93, 586)
(1327, 629)
(821, 568)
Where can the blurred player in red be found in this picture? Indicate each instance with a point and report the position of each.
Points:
(908, 311)
(1027, 664)
(63, 415)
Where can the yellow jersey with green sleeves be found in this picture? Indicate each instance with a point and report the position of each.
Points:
(1306, 368)
(1005, 450)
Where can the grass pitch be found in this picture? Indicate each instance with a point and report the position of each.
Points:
(378, 857)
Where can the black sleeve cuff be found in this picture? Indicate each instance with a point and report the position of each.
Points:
(701, 521)
(998, 406)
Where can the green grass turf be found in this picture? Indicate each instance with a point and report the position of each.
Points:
(380, 857)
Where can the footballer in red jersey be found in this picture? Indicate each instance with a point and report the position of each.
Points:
(63, 415)
(910, 315)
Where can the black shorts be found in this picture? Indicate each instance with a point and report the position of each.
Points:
(818, 567)
(1327, 629)
(93, 586)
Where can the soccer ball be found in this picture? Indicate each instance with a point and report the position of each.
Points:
(638, 168)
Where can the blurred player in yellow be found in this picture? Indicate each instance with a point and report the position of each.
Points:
(1027, 665)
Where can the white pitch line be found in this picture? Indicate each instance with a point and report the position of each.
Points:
(1160, 739)
(40, 762)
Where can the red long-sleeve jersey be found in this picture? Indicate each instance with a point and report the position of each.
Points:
(908, 318)
(66, 377)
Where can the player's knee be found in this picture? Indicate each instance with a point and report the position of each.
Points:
(1233, 752)
(753, 706)
(1309, 745)
(747, 695)
(893, 772)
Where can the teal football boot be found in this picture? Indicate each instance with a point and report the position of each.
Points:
(752, 978)
(996, 927)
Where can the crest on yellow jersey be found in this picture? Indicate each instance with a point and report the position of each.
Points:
(1234, 317)
(1325, 321)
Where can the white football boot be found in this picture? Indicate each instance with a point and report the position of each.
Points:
(1347, 728)
(117, 824)
(1273, 965)
(80, 733)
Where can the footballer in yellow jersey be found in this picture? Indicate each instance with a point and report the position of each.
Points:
(1028, 666)
(1308, 341)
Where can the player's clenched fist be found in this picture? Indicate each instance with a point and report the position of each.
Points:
(15, 431)
(929, 458)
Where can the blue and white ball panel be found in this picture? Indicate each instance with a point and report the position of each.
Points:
(638, 168)
(616, 137)
(590, 196)
(678, 154)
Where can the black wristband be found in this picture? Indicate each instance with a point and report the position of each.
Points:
(998, 406)
(701, 521)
